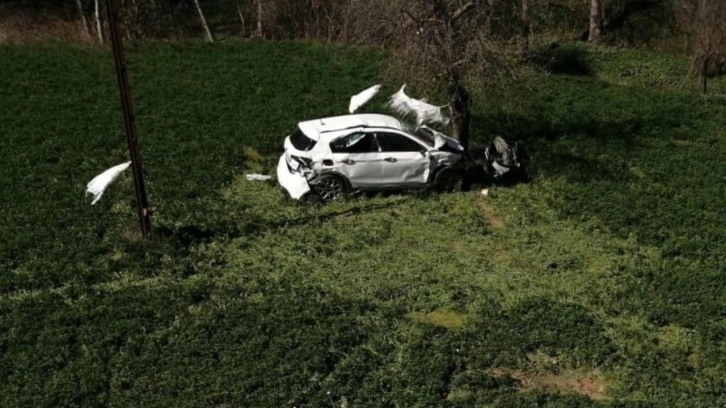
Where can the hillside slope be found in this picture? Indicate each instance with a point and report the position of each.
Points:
(599, 283)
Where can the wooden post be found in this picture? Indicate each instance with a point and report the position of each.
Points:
(142, 203)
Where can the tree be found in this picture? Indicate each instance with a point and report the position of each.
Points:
(597, 20)
(260, 17)
(709, 36)
(99, 23)
(207, 33)
(84, 22)
(449, 39)
(526, 29)
(240, 14)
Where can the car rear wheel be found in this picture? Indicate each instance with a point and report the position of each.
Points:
(330, 187)
(448, 180)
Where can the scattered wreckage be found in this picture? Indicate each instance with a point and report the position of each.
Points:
(332, 157)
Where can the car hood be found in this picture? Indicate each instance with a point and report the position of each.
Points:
(445, 143)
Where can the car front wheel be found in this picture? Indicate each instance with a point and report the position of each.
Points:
(448, 180)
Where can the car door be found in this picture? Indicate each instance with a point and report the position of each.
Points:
(356, 156)
(405, 161)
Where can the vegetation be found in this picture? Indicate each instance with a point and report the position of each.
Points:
(599, 283)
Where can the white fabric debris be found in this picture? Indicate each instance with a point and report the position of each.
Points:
(439, 139)
(100, 183)
(499, 170)
(425, 112)
(257, 177)
(358, 100)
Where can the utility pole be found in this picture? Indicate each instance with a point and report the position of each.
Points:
(142, 203)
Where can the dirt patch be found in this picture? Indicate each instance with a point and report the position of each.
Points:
(490, 215)
(449, 319)
(459, 246)
(567, 381)
(637, 172)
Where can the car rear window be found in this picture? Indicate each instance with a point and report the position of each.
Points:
(300, 141)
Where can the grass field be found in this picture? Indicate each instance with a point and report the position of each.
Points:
(599, 283)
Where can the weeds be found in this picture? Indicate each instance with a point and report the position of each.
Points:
(607, 268)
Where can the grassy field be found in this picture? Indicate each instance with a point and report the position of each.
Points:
(599, 283)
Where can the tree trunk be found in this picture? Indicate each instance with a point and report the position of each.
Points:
(99, 24)
(704, 75)
(596, 20)
(259, 18)
(460, 105)
(207, 33)
(524, 47)
(241, 17)
(86, 29)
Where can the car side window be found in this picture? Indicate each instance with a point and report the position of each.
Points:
(392, 142)
(355, 143)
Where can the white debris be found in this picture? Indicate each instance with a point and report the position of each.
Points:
(425, 112)
(257, 177)
(100, 183)
(499, 170)
(440, 139)
(485, 192)
(358, 100)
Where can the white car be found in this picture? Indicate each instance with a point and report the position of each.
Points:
(334, 156)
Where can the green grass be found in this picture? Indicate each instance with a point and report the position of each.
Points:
(607, 269)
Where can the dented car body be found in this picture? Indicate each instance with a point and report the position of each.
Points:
(334, 156)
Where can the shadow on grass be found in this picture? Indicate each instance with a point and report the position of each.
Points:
(189, 235)
(561, 60)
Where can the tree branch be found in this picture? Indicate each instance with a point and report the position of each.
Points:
(463, 9)
(441, 11)
(411, 16)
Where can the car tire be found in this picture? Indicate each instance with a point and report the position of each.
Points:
(330, 187)
(448, 180)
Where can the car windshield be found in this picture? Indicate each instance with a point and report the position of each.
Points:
(300, 141)
(423, 134)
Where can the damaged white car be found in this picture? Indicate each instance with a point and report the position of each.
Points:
(334, 156)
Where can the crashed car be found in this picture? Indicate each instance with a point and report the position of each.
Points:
(332, 157)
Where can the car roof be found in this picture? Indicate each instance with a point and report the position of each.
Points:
(317, 127)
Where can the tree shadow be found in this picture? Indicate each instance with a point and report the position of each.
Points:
(559, 60)
(566, 149)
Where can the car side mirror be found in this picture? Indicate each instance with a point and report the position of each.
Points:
(425, 153)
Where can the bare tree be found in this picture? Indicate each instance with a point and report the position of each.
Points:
(86, 29)
(203, 21)
(99, 23)
(241, 16)
(450, 39)
(597, 20)
(260, 17)
(526, 29)
(709, 36)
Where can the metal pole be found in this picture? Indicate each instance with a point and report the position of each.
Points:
(142, 203)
